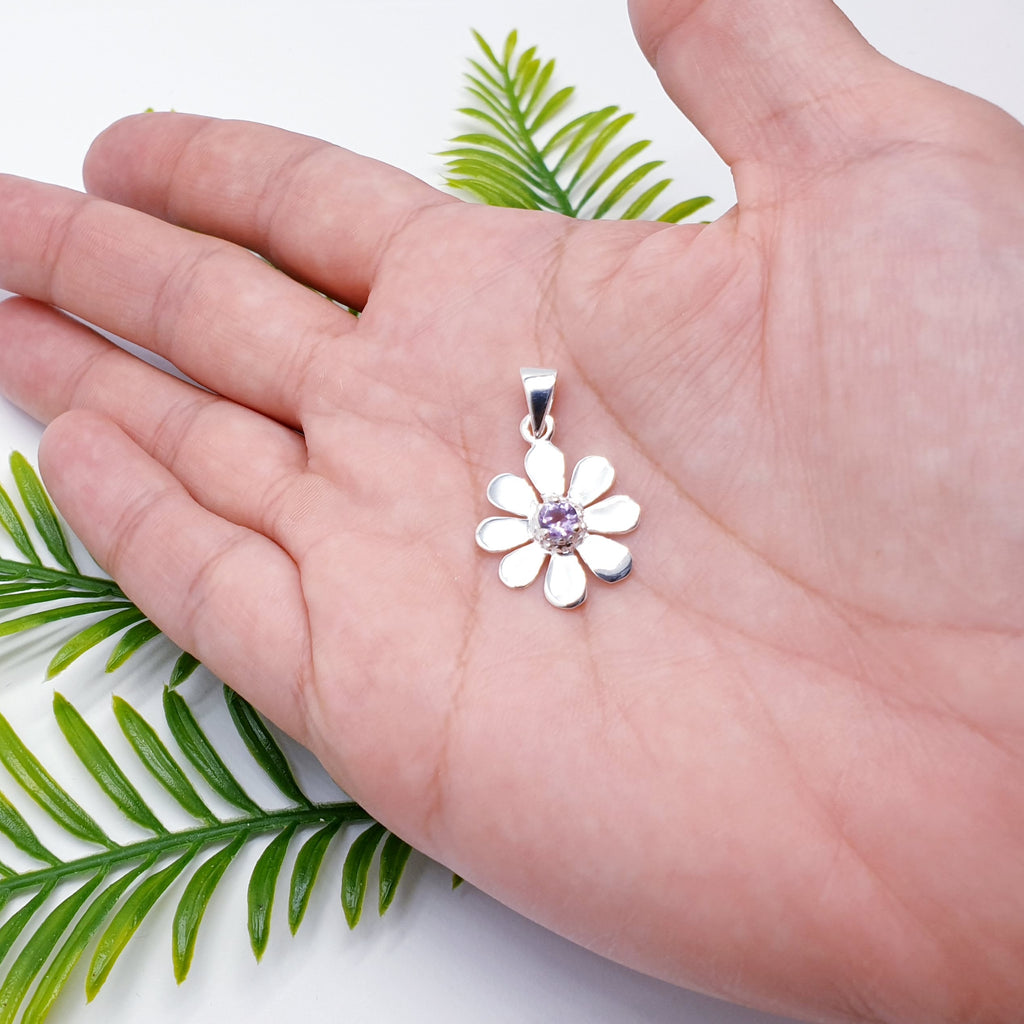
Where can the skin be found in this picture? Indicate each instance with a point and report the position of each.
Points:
(780, 763)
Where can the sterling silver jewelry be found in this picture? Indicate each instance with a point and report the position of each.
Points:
(551, 522)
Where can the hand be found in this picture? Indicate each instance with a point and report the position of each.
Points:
(781, 762)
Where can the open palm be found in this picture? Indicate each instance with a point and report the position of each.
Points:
(780, 762)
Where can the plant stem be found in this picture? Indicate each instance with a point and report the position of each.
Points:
(346, 812)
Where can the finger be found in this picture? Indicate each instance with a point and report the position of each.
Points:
(216, 311)
(321, 213)
(772, 82)
(227, 456)
(224, 593)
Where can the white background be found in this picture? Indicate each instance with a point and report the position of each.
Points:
(381, 77)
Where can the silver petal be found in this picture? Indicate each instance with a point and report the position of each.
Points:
(617, 514)
(499, 533)
(565, 585)
(545, 466)
(512, 494)
(608, 559)
(592, 476)
(519, 568)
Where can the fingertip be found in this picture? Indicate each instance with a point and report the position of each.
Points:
(104, 150)
(31, 353)
(79, 439)
(13, 308)
(115, 155)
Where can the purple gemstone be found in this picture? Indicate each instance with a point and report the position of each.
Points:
(558, 525)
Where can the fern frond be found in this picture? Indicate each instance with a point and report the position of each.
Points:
(520, 156)
(119, 884)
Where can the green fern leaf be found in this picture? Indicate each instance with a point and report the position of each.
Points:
(304, 874)
(540, 85)
(33, 957)
(611, 168)
(624, 186)
(356, 871)
(183, 668)
(393, 858)
(263, 747)
(644, 200)
(12, 522)
(262, 886)
(200, 752)
(131, 642)
(92, 635)
(158, 760)
(40, 508)
(64, 962)
(35, 595)
(523, 157)
(103, 768)
(126, 921)
(64, 611)
(17, 923)
(571, 137)
(193, 904)
(17, 829)
(685, 209)
(554, 105)
(43, 788)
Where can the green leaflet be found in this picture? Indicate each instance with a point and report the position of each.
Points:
(393, 858)
(36, 500)
(36, 952)
(14, 826)
(519, 155)
(12, 522)
(357, 869)
(21, 597)
(133, 640)
(263, 747)
(75, 945)
(685, 209)
(41, 786)
(198, 749)
(304, 874)
(183, 668)
(102, 767)
(127, 919)
(193, 904)
(64, 611)
(17, 922)
(90, 637)
(158, 760)
(262, 885)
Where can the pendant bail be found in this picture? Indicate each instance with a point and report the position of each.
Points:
(539, 385)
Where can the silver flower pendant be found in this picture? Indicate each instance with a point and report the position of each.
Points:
(567, 527)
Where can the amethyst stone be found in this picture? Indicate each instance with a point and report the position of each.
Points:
(558, 525)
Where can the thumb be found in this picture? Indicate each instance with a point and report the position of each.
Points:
(775, 81)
